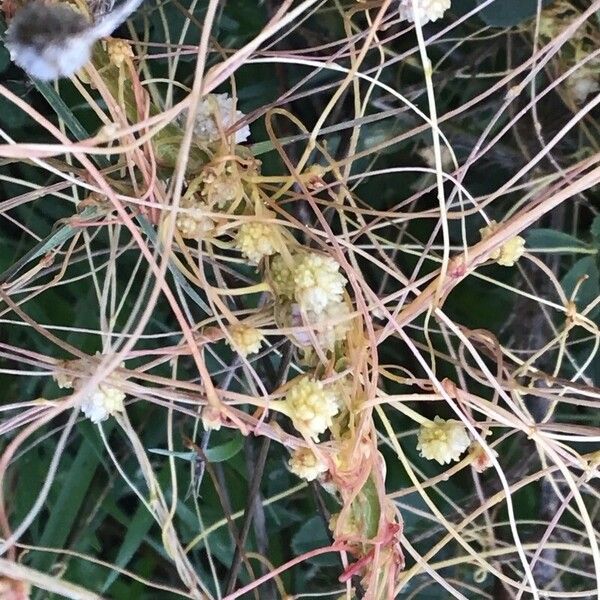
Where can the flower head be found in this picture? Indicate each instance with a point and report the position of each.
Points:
(510, 252)
(305, 463)
(118, 51)
(246, 340)
(326, 328)
(480, 457)
(428, 10)
(216, 112)
(211, 418)
(317, 281)
(442, 440)
(194, 223)
(583, 83)
(282, 277)
(256, 240)
(311, 406)
(102, 402)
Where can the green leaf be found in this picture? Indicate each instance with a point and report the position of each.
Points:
(589, 290)
(224, 451)
(63, 513)
(550, 239)
(219, 453)
(183, 455)
(507, 13)
(312, 535)
(137, 529)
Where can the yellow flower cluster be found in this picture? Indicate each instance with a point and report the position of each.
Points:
(305, 464)
(119, 51)
(510, 252)
(246, 340)
(442, 440)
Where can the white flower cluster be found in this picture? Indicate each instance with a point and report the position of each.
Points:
(215, 113)
(442, 440)
(102, 402)
(305, 463)
(314, 281)
(311, 406)
(428, 10)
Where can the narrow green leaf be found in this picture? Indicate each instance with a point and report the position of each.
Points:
(137, 529)
(184, 455)
(63, 513)
(224, 451)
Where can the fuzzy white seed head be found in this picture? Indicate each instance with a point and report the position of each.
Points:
(102, 402)
(305, 464)
(442, 440)
(311, 406)
(428, 10)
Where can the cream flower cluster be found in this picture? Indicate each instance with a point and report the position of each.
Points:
(314, 281)
(194, 222)
(257, 240)
(327, 328)
(305, 464)
(510, 252)
(442, 440)
(311, 406)
(214, 110)
(428, 10)
(246, 340)
(102, 402)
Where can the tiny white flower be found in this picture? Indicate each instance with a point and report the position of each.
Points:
(305, 463)
(102, 402)
(428, 10)
(215, 109)
(442, 440)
